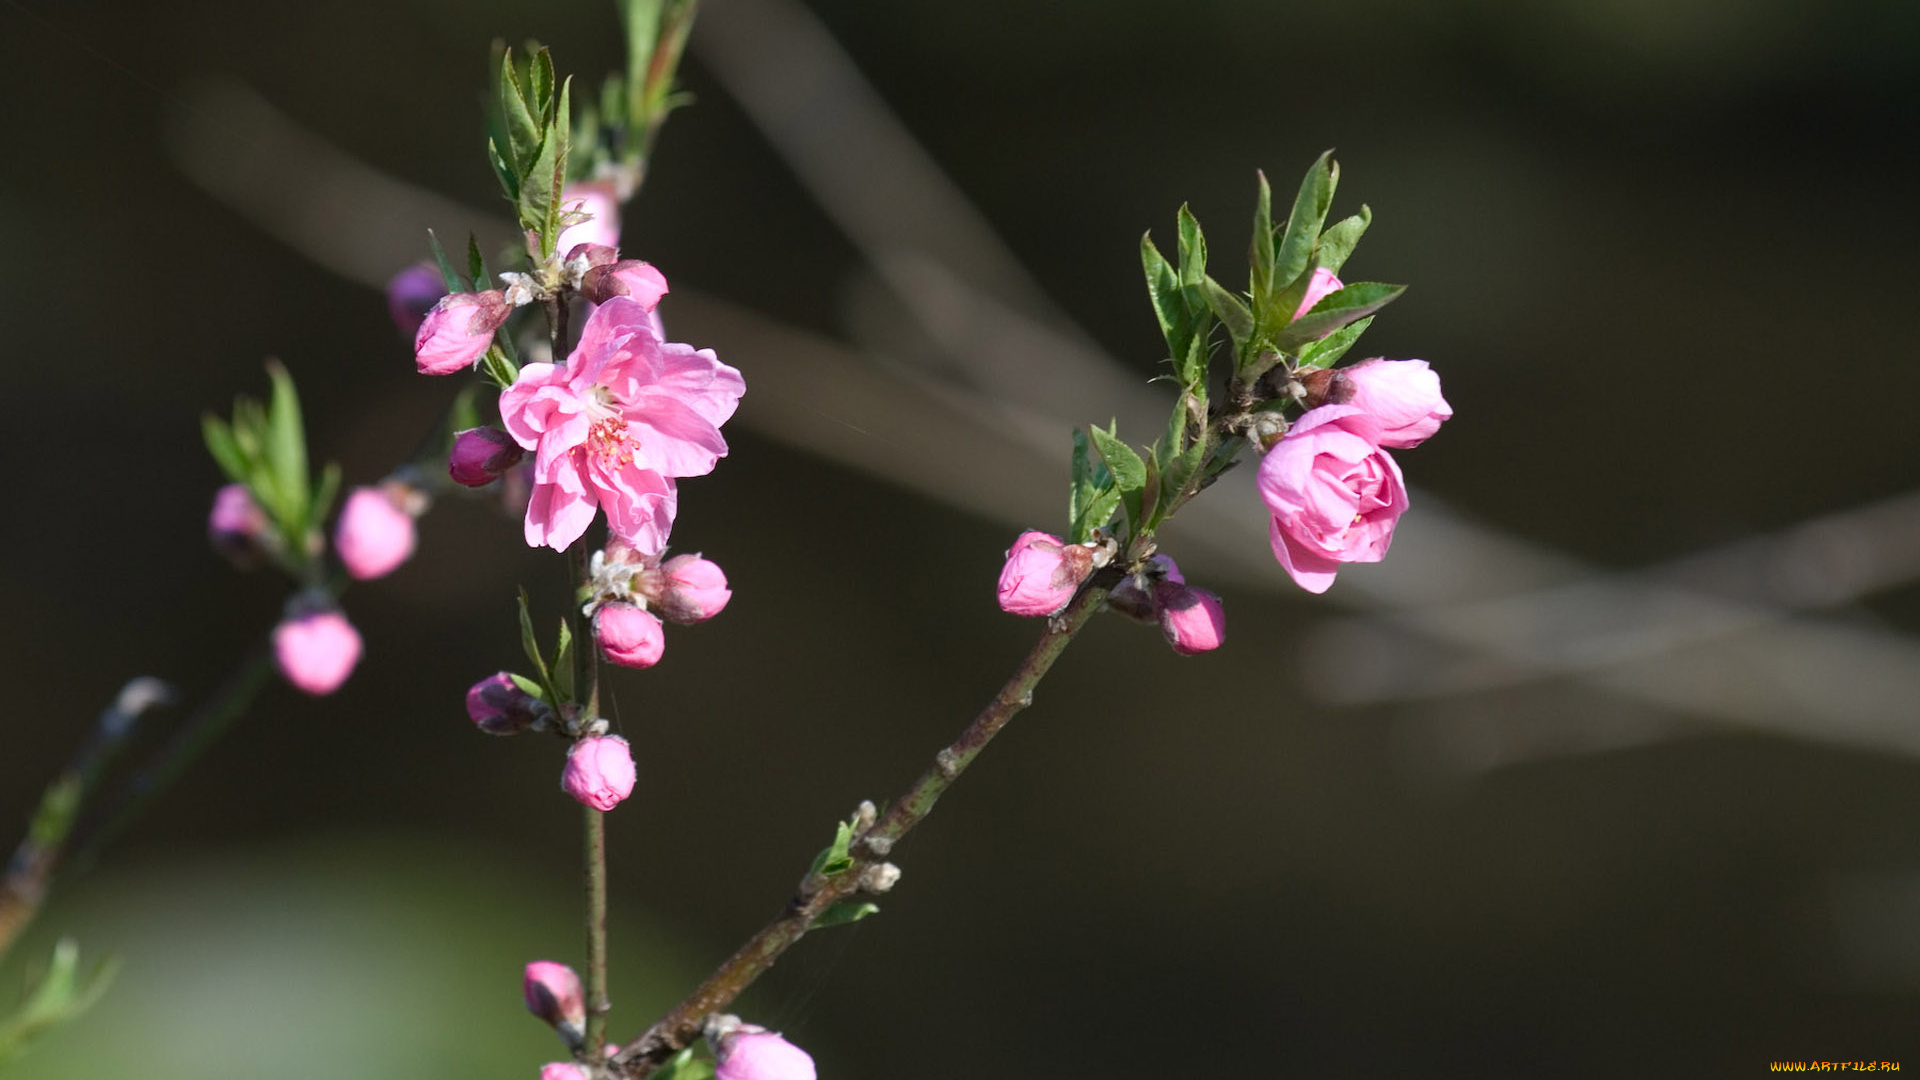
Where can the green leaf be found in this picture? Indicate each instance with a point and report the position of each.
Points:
(502, 168)
(1261, 257)
(448, 276)
(1092, 491)
(684, 1066)
(226, 452)
(563, 662)
(523, 130)
(1168, 298)
(1129, 472)
(1304, 222)
(1231, 311)
(1193, 249)
(58, 996)
(1328, 350)
(1336, 310)
(286, 454)
(540, 81)
(476, 263)
(1338, 242)
(530, 644)
(846, 911)
(530, 686)
(835, 857)
(324, 492)
(1176, 474)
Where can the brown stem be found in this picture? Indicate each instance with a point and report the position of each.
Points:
(820, 892)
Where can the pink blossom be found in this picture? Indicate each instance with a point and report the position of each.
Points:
(317, 651)
(761, 1055)
(1403, 396)
(498, 706)
(1042, 574)
(554, 995)
(599, 771)
(1320, 286)
(458, 330)
(628, 277)
(625, 417)
(480, 455)
(597, 199)
(412, 293)
(1335, 495)
(1193, 619)
(237, 525)
(562, 1070)
(629, 636)
(688, 589)
(373, 536)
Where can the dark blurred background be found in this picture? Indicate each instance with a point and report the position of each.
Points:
(1658, 252)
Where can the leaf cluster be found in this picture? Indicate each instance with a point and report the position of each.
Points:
(529, 139)
(264, 447)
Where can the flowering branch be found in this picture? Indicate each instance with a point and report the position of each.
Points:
(864, 868)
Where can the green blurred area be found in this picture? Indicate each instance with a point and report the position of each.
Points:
(1661, 253)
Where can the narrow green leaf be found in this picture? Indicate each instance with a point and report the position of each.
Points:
(225, 451)
(496, 367)
(476, 263)
(1337, 309)
(846, 911)
(530, 644)
(530, 686)
(504, 170)
(1304, 222)
(1261, 257)
(1129, 472)
(325, 492)
(448, 276)
(835, 857)
(1338, 242)
(1193, 249)
(1176, 475)
(286, 454)
(540, 83)
(563, 662)
(1328, 350)
(523, 130)
(1149, 496)
(1169, 303)
(1081, 490)
(1231, 311)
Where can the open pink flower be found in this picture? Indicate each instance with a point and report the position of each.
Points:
(626, 416)
(1335, 495)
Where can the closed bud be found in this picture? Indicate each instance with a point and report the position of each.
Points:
(316, 651)
(498, 706)
(1193, 619)
(1041, 574)
(599, 771)
(412, 293)
(237, 526)
(1320, 286)
(751, 1054)
(374, 534)
(554, 995)
(1402, 396)
(688, 589)
(482, 455)
(587, 256)
(458, 330)
(629, 635)
(628, 277)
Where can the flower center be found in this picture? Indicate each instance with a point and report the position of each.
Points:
(609, 440)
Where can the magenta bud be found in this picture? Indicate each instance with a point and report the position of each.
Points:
(688, 589)
(374, 535)
(554, 995)
(458, 330)
(316, 652)
(237, 525)
(1193, 619)
(482, 455)
(1133, 597)
(629, 635)
(562, 1070)
(628, 277)
(599, 771)
(592, 255)
(1042, 574)
(498, 706)
(761, 1055)
(411, 293)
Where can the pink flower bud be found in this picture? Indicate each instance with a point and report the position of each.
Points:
(553, 994)
(1321, 285)
(237, 524)
(498, 706)
(411, 293)
(689, 589)
(597, 202)
(316, 652)
(1192, 619)
(629, 635)
(761, 1055)
(1134, 596)
(1402, 395)
(458, 330)
(480, 455)
(599, 771)
(373, 536)
(1042, 574)
(562, 1070)
(628, 277)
